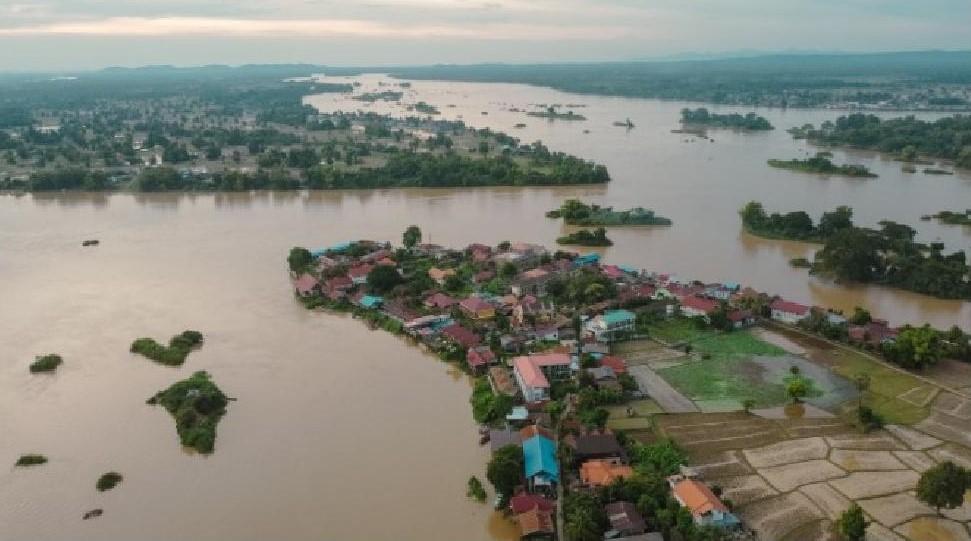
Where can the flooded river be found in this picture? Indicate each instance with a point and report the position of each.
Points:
(340, 432)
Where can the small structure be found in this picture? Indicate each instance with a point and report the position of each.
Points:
(306, 285)
(695, 306)
(586, 260)
(611, 325)
(336, 288)
(617, 364)
(440, 275)
(370, 302)
(531, 282)
(604, 378)
(706, 509)
(541, 467)
(534, 372)
(479, 359)
(502, 381)
(440, 301)
(476, 308)
(624, 520)
(603, 472)
(596, 446)
(789, 312)
(741, 318)
(461, 336)
(501, 437)
(358, 273)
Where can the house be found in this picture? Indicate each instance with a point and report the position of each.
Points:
(533, 373)
(604, 378)
(706, 509)
(624, 520)
(585, 260)
(502, 381)
(550, 333)
(461, 336)
(788, 312)
(337, 287)
(595, 446)
(741, 318)
(306, 285)
(618, 365)
(479, 358)
(695, 306)
(541, 467)
(611, 325)
(535, 524)
(358, 273)
(358, 129)
(440, 275)
(522, 502)
(531, 282)
(476, 308)
(601, 473)
(875, 332)
(483, 276)
(397, 310)
(440, 301)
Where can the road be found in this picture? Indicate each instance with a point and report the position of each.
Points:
(661, 391)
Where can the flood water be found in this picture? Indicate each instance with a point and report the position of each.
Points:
(340, 432)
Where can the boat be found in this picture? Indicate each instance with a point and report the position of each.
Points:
(625, 124)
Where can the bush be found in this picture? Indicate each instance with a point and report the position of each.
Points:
(868, 419)
(31, 460)
(108, 481)
(475, 490)
(47, 363)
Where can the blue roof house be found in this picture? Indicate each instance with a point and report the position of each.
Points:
(587, 259)
(541, 468)
(371, 301)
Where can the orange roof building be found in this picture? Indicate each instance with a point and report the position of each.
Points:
(601, 473)
(705, 507)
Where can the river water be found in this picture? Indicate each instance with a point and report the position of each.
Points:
(340, 432)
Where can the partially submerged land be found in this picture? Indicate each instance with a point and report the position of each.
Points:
(174, 354)
(702, 117)
(571, 354)
(954, 218)
(576, 212)
(821, 164)
(552, 113)
(46, 363)
(188, 134)
(909, 139)
(888, 255)
(586, 237)
(197, 405)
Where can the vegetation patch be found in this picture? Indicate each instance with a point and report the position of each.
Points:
(197, 405)
(174, 354)
(108, 481)
(46, 363)
(822, 165)
(576, 212)
(586, 237)
(748, 122)
(31, 460)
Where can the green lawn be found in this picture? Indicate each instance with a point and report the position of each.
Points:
(726, 375)
(886, 385)
(677, 330)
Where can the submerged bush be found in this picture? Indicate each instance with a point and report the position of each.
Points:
(197, 405)
(172, 355)
(31, 460)
(108, 481)
(47, 363)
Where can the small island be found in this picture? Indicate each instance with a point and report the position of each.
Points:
(552, 114)
(387, 95)
(46, 363)
(174, 354)
(937, 171)
(954, 218)
(747, 122)
(108, 481)
(576, 212)
(586, 237)
(889, 255)
(197, 405)
(821, 164)
(424, 108)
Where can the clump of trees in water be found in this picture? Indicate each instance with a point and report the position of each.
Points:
(174, 354)
(907, 137)
(576, 212)
(31, 460)
(821, 164)
(108, 481)
(46, 363)
(197, 405)
(586, 237)
(702, 117)
(888, 255)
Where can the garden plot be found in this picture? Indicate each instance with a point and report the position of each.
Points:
(895, 509)
(773, 518)
(859, 485)
(934, 529)
(791, 476)
(787, 452)
(746, 488)
(826, 498)
(854, 460)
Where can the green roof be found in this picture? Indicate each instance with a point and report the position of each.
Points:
(619, 316)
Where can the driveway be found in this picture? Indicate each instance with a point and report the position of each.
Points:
(666, 396)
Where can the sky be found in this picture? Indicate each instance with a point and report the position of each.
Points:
(38, 35)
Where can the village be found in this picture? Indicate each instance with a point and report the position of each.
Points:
(604, 388)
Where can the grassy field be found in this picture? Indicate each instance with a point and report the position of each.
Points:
(678, 330)
(886, 387)
(726, 372)
(643, 410)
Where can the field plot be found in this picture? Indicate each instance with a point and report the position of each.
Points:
(791, 478)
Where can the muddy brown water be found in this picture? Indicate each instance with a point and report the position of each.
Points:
(340, 432)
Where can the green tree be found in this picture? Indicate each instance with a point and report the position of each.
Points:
(851, 524)
(383, 278)
(411, 236)
(505, 470)
(797, 389)
(943, 485)
(299, 259)
(915, 347)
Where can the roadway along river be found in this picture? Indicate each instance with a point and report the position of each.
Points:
(340, 432)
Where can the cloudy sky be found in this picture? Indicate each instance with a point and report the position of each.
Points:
(65, 34)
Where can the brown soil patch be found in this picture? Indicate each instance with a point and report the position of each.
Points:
(934, 529)
(854, 460)
(791, 476)
(870, 484)
(896, 509)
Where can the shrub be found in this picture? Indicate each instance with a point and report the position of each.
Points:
(108, 481)
(475, 490)
(31, 460)
(47, 363)
(197, 405)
